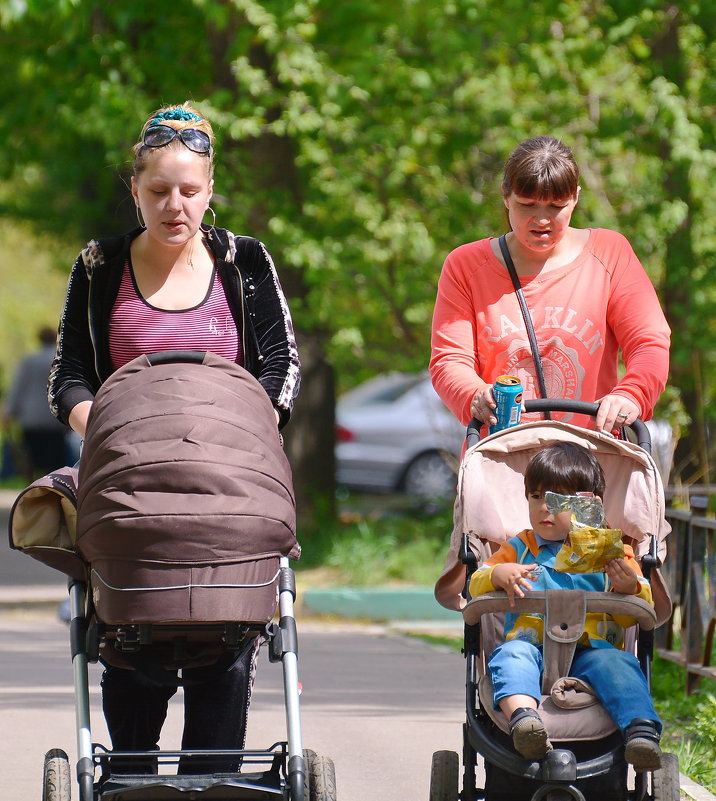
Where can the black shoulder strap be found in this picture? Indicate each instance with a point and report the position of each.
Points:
(526, 317)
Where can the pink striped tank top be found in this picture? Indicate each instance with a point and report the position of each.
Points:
(136, 327)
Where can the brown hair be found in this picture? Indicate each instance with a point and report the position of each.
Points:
(141, 153)
(564, 467)
(541, 168)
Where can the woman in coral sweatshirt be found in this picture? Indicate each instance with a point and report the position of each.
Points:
(588, 295)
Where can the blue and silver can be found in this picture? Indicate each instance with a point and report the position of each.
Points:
(507, 392)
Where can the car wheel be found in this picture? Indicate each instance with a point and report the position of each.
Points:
(430, 475)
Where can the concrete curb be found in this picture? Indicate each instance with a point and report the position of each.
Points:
(38, 594)
(693, 790)
(379, 604)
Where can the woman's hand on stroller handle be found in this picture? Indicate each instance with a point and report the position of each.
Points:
(482, 406)
(513, 578)
(616, 411)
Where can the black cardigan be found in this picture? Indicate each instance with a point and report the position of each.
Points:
(82, 361)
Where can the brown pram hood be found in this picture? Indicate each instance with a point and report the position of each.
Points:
(182, 465)
(491, 506)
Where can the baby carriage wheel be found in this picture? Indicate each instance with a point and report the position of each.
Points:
(445, 776)
(665, 780)
(321, 777)
(56, 780)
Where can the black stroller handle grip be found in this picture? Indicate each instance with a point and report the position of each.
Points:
(174, 356)
(565, 405)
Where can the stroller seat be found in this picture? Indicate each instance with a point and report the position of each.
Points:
(570, 710)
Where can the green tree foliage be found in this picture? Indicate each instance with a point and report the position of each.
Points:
(364, 140)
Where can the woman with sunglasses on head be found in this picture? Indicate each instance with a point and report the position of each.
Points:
(145, 290)
(588, 298)
(173, 283)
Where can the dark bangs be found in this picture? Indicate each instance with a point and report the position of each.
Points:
(542, 168)
(549, 182)
(564, 467)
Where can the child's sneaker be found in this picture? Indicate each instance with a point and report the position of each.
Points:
(529, 735)
(642, 749)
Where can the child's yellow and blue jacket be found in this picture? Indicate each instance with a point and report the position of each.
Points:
(600, 630)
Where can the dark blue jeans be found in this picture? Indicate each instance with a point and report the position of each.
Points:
(615, 676)
(216, 703)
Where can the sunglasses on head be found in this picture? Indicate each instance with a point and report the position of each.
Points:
(194, 139)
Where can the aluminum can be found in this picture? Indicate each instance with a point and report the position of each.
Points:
(507, 392)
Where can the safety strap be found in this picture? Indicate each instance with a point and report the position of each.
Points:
(527, 318)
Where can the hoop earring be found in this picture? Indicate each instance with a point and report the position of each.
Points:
(213, 214)
(140, 220)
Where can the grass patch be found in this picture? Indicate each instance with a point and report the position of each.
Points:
(689, 721)
(389, 544)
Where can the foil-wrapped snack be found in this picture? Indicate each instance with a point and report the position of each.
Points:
(590, 545)
(586, 508)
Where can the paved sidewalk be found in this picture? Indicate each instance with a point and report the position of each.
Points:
(411, 610)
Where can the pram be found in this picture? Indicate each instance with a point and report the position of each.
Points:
(587, 763)
(185, 526)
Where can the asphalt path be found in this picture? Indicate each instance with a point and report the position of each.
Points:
(376, 702)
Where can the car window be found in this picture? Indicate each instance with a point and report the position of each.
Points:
(391, 394)
(382, 389)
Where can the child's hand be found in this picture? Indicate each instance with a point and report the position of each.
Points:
(512, 578)
(623, 578)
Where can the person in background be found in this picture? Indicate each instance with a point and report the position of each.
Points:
(174, 283)
(589, 299)
(44, 438)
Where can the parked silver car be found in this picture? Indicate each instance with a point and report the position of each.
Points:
(393, 433)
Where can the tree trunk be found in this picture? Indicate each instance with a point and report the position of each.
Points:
(309, 437)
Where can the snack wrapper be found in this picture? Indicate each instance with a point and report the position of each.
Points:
(590, 544)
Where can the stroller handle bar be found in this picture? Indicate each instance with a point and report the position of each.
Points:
(536, 602)
(564, 405)
(173, 356)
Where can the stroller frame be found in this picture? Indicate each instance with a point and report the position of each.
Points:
(284, 770)
(79, 522)
(567, 773)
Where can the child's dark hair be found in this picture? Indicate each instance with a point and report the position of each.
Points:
(564, 467)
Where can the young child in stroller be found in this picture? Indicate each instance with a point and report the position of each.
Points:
(527, 562)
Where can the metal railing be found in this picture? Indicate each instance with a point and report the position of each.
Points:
(690, 576)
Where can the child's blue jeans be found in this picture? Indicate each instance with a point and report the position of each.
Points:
(615, 676)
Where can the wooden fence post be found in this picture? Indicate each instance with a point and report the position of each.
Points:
(690, 574)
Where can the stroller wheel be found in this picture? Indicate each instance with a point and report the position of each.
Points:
(56, 780)
(445, 776)
(665, 780)
(321, 777)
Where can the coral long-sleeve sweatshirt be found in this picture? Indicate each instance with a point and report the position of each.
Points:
(583, 313)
